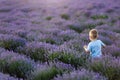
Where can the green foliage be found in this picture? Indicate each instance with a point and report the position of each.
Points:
(36, 22)
(106, 67)
(100, 23)
(49, 40)
(80, 28)
(47, 74)
(48, 18)
(65, 16)
(20, 68)
(69, 58)
(81, 74)
(66, 38)
(116, 53)
(34, 53)
(95, 17)
(38, 54)
(90, 25)
(12, 44)
(113, 21)
(3, 65)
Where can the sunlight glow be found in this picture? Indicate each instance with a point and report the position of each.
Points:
(52, 1)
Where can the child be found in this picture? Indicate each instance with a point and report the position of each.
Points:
(95, 46)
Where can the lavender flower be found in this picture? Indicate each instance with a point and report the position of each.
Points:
(11, 42)
(37, 50)
(15, 64)
(80, 75)
(45, 38)
(112, 50)
(107, 65)
(7, 77)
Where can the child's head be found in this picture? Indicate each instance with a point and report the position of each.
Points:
(93, 34)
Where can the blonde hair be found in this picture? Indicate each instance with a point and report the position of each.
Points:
(93, 34)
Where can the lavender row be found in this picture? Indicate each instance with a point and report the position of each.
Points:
(22, 67)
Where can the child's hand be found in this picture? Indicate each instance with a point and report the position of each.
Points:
(85, 47)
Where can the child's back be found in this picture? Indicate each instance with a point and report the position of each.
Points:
(95, 48)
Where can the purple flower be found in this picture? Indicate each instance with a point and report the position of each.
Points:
(107, 65)
(7, 77)
(80, 75)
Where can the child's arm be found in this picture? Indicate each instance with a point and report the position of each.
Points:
(103, 45)
(85, 47)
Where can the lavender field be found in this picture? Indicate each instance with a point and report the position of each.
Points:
(44, 39)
